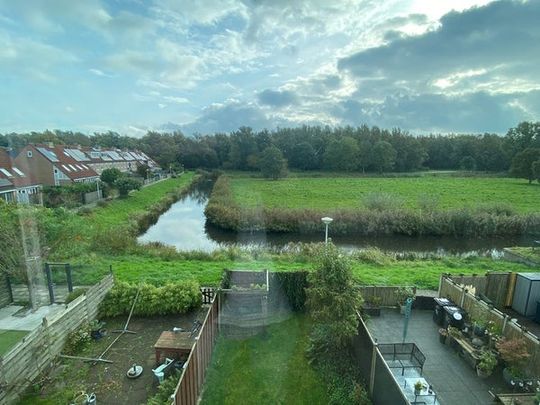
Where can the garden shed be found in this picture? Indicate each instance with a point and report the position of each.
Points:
(526, 294)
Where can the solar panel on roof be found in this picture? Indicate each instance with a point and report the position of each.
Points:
(49, 154)
(78, 155)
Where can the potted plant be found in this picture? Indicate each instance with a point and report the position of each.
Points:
(488, 361)
(404, 293)
(372, 306)
(514, 353)
(453, 334)
(97, 329)
(443, 333)
(418, 387)
(479, 327)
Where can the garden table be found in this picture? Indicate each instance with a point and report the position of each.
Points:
(178, 343)
(424, 392)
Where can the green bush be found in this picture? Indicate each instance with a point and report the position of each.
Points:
(165, 390)
(75, 294)
(77, 340)
(172, 298)
(382, 201)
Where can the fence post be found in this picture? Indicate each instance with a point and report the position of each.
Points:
(9, 288)
(68, 277)
(49, 282)
(462, 296)
(440, 285)
(373, 366)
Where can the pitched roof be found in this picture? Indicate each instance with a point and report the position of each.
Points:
(71, 161)
(13, 174)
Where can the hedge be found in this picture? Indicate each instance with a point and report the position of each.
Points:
(172, 298)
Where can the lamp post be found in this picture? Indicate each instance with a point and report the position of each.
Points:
(326, 221)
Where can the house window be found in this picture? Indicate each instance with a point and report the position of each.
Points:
(29, 153)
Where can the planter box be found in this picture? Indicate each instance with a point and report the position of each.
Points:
(372, 311)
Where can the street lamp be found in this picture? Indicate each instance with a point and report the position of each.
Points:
(326, 221)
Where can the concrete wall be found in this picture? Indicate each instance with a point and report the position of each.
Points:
(37, 351)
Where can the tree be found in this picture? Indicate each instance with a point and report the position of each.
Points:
(342, 154)
(272, 163)
(303, 156)
(143, 171)
(536, 170)
(467, 163)
(522, 163)
(525, 135)
(109, 176)
(383, 156)
(124, 185)
(332, 300)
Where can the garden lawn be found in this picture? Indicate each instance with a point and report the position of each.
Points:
(328, 193)
(266, 369)
(8, 339)
(423, 274)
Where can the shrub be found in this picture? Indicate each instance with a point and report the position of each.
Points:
(514, 353)
(332, 300)
(124, 185)
(75, 294)
(172, 298)
(382, 201)
(77, 340)
(165, 390)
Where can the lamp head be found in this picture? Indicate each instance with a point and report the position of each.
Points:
(326, 220)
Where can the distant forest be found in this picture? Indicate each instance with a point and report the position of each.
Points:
(360, 149)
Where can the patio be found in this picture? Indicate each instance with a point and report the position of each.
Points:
(451, 377)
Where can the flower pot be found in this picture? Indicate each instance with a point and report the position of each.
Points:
(479, 330)
(402, 309)
(442, 338)
(508, 377)
(417, 392)
(481, 373)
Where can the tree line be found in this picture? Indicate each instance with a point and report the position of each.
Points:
(347, 149)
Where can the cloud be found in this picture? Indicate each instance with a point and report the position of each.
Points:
(502, 35)
(277, 98)
(229, 116)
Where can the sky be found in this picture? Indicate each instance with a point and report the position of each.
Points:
(205, 66)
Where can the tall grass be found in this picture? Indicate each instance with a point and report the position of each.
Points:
(384, 216)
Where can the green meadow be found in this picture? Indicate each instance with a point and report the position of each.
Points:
(445, 192)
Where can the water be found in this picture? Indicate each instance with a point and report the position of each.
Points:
(184, 226)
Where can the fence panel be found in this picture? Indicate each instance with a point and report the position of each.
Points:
(190, 385)
(36, 351)
(388, 294)
(478, 309)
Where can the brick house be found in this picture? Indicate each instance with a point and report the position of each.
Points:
(56, 165)
(16, 184)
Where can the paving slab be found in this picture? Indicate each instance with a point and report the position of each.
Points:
(11, 317)
(452, 378)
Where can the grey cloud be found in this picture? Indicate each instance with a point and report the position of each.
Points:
(277, 98)
(500, 33)
(229, 117)
(474, 112)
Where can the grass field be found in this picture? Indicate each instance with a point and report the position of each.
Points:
(421, 273)
(8, 338)
(349, 192)
(265, 369)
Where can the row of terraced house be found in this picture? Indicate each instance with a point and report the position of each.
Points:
(23, 173)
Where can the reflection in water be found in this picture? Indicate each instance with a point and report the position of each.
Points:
(184, 226)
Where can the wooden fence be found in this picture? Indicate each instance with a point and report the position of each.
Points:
(478, 309)
(190, 385)
(494, 285)
(37, 350)
(388, 294)
(6, 296)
